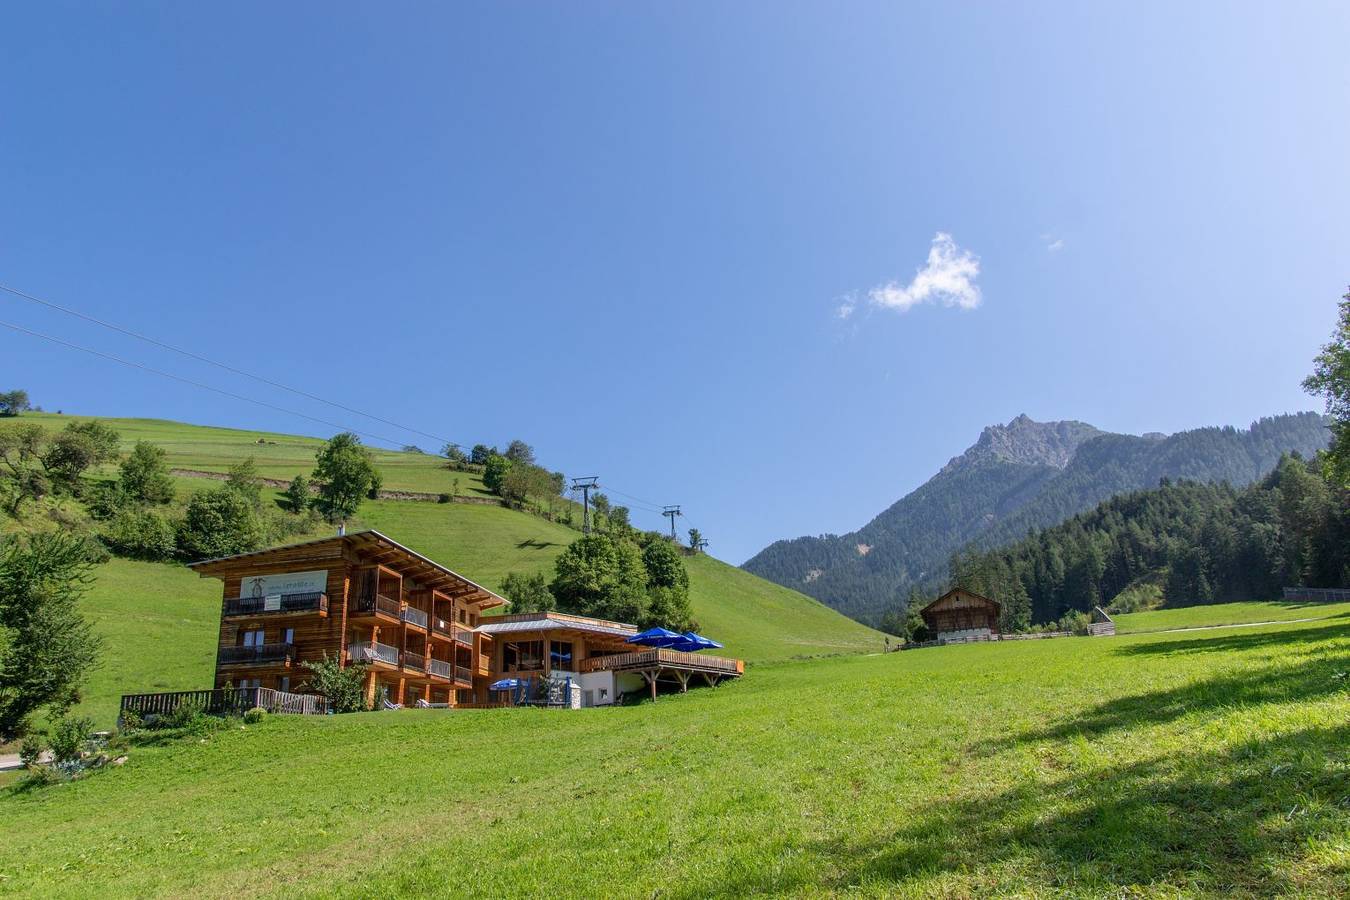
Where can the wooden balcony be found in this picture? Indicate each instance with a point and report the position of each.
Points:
(278, 604)
(414, 662)
(376, 606)
(257, 655)
(374, 653)
(416, 617)
(439, 668)
(667, 659)
(463, 675)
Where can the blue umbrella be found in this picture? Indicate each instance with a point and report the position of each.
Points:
(506, 684)
(699, 642)
(656, 637)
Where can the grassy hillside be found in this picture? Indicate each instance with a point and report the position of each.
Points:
(210, 449)
(1211, 763)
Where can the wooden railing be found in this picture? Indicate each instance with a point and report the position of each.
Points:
(415, 616)
(225, 702)
(281, 603)
(256, 654)
(463, 675)
(439, 667)
(368, 652)
(415, 661)
(657, 657)
(377, 603)
(442, 626)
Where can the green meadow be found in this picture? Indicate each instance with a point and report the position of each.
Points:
(1211, 763)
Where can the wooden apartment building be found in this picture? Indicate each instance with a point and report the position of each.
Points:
(364, 598)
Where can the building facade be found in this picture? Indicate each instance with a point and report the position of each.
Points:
(421, 629)
(961, 615)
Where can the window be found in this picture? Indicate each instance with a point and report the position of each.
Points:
(460, 615)
(523, 656)
(284, 682)
(288, 636)
(249, 683)
(251, 639)
(560, 655)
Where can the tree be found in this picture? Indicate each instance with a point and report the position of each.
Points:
(219, 522)
(597, 576)
(667, 586)
(695, 539)
(619, 522)
(455, 454)
(144, 474)
(412, 448)
(46, 647)
(345, 471)
(523, 481)
(1331, 380)
(76, 448)
(13, 402)
(519, 452)
(297, 494)
(480, 453)
(494, 472)
(528, 593)
(244, 480)
(24, 478)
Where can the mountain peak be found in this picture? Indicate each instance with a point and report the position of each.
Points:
(1028, 442)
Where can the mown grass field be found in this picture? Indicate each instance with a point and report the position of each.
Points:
(1215, 763)
(1225, 614)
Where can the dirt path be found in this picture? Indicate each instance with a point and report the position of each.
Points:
(1232, 625)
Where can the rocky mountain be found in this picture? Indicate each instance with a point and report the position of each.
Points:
(1018, 476)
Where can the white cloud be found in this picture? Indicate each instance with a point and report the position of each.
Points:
(948, 277)
(1055, 245)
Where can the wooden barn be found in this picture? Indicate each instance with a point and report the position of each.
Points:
(961, 615)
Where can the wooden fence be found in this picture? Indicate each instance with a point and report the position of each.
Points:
(1317, 595)
(226, 702)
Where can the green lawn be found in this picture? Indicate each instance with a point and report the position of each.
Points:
(1213, 763)
(1226, 614)
(278, 456)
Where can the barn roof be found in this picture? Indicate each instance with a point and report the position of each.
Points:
(961, 591)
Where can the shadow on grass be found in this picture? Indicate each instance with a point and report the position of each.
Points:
(532, 544)
(1234, 822)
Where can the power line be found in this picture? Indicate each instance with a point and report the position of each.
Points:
(189, 381)
(220, 365)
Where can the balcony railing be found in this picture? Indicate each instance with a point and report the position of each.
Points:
(256, 654)
(377, 603)
(442, 626)
(277, 603)
(415, 661)
(439, 668)
(368, 652)
(674, 659)
(415, 616)
(463, 675)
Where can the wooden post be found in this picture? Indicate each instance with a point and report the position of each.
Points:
(370, 687)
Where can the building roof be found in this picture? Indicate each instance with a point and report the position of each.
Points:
(380, 548)
(952, 599)
(550, 621)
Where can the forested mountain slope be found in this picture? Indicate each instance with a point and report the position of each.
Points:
(1017, 476)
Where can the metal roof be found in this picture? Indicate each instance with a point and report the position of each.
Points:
(546, 622)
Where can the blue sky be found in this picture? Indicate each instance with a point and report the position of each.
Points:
(626, 232)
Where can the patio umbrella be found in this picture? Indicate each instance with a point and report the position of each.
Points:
(699, 642)
(506, 684)
(656, 637)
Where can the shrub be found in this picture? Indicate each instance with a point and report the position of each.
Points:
(185, 715)
(443, 498)
(344, 688)
(219, 522)
(145, 476)
(297, 494)
(32, 748)
(255, 715)
(130, 720)
(141, 534)
(69, 737)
